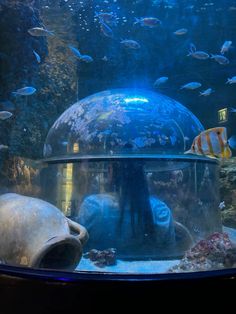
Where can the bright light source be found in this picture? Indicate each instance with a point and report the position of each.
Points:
(135, 100)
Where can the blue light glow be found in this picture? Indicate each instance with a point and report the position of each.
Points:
(135, 100)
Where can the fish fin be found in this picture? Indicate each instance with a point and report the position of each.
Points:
(51, 33)
(211, 156)
(226, 153)
(189, 152)
(137, 21)
(232, 141)
(193, 48)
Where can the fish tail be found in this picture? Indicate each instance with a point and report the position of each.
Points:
(14, 93)
(137, 21)
(226, 153)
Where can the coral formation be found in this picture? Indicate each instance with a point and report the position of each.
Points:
(102, 258)
(214, 252)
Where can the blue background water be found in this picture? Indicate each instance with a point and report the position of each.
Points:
(61, 79)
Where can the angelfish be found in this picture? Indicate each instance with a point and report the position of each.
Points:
(213, 143)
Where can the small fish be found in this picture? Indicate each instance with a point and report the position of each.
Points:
(220, 59)
(75, 51)
(232, 110)
(86, 58)
(107, 17)
(130, 44)
(40, 31)
(180, 32)
(225, 47)
(160, 81)
(206, 92)
(78, 55)
(222, 205)
(3, 147)
(198, 54)
(191, 85)
(25, 91)
(106, 30)
(148, 21)
(231, 80)
(212, 143)
(5, 115)
(37, 56)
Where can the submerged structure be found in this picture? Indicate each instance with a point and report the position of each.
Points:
(119, 168)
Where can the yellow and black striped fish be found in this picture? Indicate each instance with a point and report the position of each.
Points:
(212, 143)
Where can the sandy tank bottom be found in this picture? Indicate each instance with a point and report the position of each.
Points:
(140, 267)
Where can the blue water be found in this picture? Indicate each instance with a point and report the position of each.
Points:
(118, 79)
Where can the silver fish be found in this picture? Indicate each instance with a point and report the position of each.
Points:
(225, 47)
(5, 115)
(206, 92)
(37, 56)
(86, 58)
(181, 31)
(220, 59)
(25, 91)
(231, 80)
(160, 81)
(130, 44)
(147, 21)
(75, 51)
(191, 85)
(201, 55)
(40, 31)
(107, 17)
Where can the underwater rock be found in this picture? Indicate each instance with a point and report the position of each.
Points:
(214, 252)
(228, 192)
(229, 217)
(102, 258)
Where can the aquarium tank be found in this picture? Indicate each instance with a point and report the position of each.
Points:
(118, 137)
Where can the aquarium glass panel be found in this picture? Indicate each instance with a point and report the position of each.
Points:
(118, 135)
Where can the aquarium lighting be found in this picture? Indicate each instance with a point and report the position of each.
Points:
(135, 100)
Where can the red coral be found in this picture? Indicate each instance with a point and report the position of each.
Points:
(215, 243)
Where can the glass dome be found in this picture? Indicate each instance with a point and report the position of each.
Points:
(122, 122)
(116, 159)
